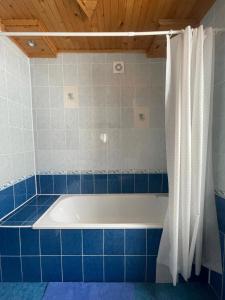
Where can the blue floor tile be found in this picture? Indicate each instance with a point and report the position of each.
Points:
(22, 291)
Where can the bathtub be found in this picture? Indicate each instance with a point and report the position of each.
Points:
(105, 211)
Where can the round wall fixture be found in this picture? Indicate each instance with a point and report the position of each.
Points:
(31, 43)
(118, 67)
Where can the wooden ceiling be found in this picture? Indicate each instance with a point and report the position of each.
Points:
(98, 15)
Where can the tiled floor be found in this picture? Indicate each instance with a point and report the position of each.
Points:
(104, 291)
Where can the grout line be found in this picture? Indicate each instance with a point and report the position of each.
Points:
(61, 263)
(1, 268)
(146, 251)
(103, 249)
(39, 244)
(21, 265)
(124, 252)
(17, 209)
(82, 253)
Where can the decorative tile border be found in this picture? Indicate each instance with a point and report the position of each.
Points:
(16, 195)
(99, 183)
(113, 171)
(13, 182)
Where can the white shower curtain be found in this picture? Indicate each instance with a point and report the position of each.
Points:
(190, 233)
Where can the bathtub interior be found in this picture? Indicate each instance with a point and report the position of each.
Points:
(104, 210)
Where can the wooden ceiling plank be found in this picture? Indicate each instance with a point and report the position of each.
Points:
(88, 7)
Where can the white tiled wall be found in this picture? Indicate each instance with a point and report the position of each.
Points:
(69, 139)
(215, 18)
(16, 144)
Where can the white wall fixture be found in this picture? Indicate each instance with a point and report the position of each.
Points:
(71, 97)
(118, 67)
(141, 117)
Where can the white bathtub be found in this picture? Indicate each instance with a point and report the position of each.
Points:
(105, 211)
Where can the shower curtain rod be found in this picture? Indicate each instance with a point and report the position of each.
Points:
(91, 34)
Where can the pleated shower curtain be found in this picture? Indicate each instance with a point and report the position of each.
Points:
(190, 234)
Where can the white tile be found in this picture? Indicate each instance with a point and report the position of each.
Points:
(57, 119)
(55, 75)
(72, 139)
(69, 74)
(3, 113)
(71, 119)
(42, 119)
(84, 74)
(69, 58)
(113, 117)
(40, 97)
(99, 74)
(127, 117)
(6, 173)
(39, 75)
(99, 95)
(85, 96)
(28, 140)
(15, 114)
(85, 117)
(113, 96)
(56, 97)
(99, 117)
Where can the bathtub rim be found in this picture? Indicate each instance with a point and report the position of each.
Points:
(149, 225)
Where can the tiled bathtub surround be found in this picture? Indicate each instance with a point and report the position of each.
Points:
(102, 183)
(217, 281)
(79, 255)
(100, 132)
(15, 195)
(17, 145)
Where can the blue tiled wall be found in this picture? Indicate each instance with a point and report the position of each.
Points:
(217, 281)
(79, 255)
(102, 183)
(15, 195)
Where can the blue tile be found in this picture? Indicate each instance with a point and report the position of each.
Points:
(153, 240)
(11, 269)
(73, 184)
(46, 184)
(6, 201)
(114, 241)
(51, 268)
(31, 187)
(38, 184)
(93, 268)
(155, 183)
(29, 241)
(20, 193)
(50, 242)
(216, 283)
(151, 268)
(87, 184)
(165, 184)
(222, 244)
(59, 182)
(9, 241)
(114, 183)
(114, 268)
(72, 268)
(100, 183)
(23, 214)
(135, 241)
(135, 268)
(127, 183)
(220, 207)
(71, 242)
(141, 183)
(202, 277)
(93, 241)
(31, 268)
